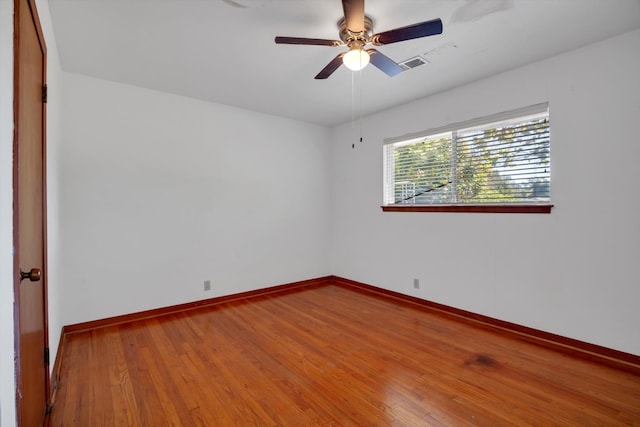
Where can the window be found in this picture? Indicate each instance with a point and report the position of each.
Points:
(499, 163)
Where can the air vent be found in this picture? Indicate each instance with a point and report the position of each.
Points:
(413, 62)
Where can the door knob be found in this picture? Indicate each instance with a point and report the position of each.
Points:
(33, 275)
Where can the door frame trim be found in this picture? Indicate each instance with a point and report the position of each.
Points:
(18, 9)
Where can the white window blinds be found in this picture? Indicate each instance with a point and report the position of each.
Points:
(496, 160)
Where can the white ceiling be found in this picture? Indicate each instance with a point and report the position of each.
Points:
(223, 50)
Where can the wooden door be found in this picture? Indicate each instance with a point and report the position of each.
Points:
(30, 309)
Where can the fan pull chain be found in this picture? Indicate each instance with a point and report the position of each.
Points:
(353, 105)
(361, 104)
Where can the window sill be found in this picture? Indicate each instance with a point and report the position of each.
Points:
(526, 209)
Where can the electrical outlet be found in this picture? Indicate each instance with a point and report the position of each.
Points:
(207, 285)
(416, 283)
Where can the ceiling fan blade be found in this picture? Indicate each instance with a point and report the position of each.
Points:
(306, 41)
(331, 67)
(415, 31)
(354, 15)
(384, 63)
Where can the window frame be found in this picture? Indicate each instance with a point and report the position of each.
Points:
(524, 207)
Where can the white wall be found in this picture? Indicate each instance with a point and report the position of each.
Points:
(161, 192)
(574, 272)
(7, 378)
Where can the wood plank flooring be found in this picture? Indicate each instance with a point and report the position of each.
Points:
(328, 356)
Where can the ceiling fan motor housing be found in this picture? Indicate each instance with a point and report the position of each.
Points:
(355, 40)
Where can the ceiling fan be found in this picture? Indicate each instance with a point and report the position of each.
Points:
(355, 31)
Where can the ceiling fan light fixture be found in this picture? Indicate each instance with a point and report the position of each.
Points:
(356, 59)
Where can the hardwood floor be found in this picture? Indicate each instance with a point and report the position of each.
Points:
(328, 356)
